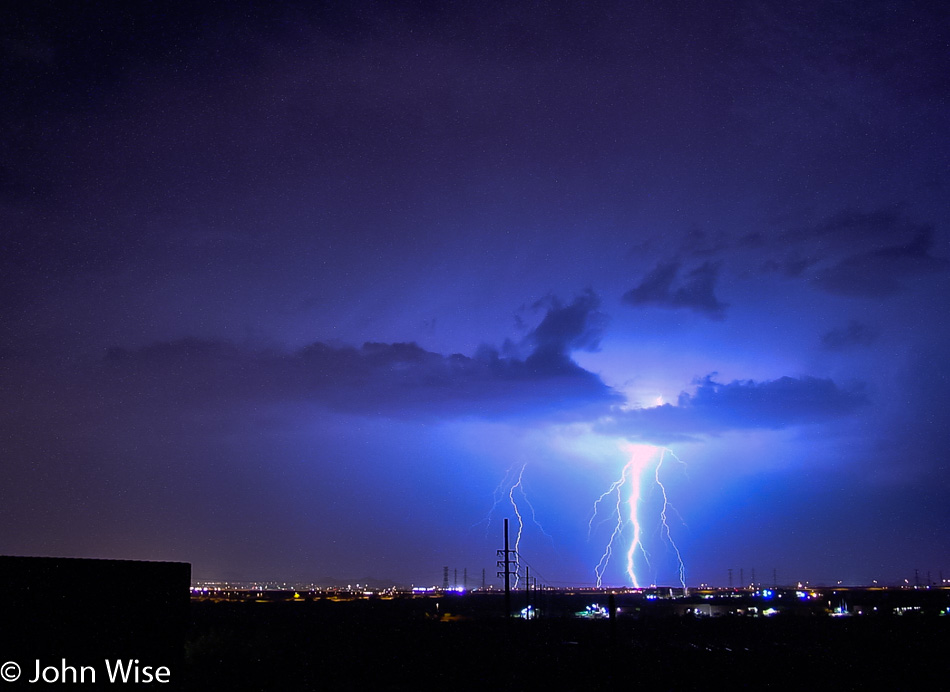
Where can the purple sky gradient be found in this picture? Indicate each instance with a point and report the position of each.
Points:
(288, 290)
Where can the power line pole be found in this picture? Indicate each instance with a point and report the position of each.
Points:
(527, 592)
(505, 562)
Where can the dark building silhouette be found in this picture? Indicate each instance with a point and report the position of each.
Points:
(86, 611)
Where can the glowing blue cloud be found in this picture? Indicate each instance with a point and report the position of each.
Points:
(715, 408)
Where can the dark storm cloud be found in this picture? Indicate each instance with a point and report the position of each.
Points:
(855, 334)
(851, 226)
(396, 379)
(696, 291)
(214, 381)
(575, 327)
(859, 253)
(883, 271)
(716, 408)
(194, 378)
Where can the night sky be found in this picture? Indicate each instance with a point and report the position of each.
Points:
(300, 291)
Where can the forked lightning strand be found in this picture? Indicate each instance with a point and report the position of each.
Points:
(514, 506)
(642, 457)
(512, 487)
(664, 526)
(618, 527)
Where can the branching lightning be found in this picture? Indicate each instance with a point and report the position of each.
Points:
(642, 458)
(640, 490)
(515, 487)
(618, 527)
(514, 506)
(664, 525)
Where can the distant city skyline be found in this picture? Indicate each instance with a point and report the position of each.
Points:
(294, 291)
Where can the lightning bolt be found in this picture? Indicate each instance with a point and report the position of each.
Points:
(642, 458)
(514, 506)
(498, 496)
(664, 525)
(515, 488)
(618, 527)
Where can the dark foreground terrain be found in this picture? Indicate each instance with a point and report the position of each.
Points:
(392, 645)
(74, 619)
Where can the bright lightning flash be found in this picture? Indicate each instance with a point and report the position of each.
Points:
(642, 459)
